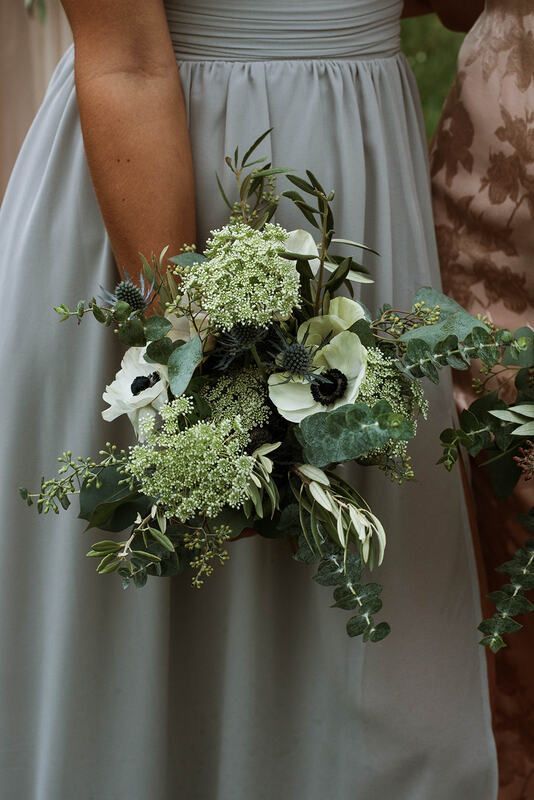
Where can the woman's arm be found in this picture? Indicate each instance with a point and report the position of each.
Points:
(134, 125)
(458, 15)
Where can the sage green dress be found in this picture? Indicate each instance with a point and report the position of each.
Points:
(249, 688)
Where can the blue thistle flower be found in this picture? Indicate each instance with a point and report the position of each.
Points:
(126, 291)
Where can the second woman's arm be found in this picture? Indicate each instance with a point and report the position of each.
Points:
(134, 125)
(458, 15)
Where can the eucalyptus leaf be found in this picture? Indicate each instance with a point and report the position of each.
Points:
(110, 506)
(187, 259)
(524, 356)
(156, 328)
(454, 320)
(132, 333)
(182, 364)
(350, 432)
(159, 351)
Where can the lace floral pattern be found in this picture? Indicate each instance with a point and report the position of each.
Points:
(482, 166)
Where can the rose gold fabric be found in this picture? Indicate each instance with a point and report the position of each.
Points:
(30, 51)
(483, 191)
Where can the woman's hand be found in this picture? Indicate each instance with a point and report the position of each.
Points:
(458, 15)
(134, 125)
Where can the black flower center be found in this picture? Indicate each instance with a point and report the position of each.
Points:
(143, 382)
(329, 387)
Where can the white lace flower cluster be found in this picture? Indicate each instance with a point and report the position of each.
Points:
(194, 471)
(244, 279)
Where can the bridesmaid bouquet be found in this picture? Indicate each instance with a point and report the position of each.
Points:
(249, 381)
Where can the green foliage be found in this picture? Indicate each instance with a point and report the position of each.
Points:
(156, 328)
(510, 600)
(111, 504)
(350, 432)
(453, 320)
(343, 572)
(432, 52)
(182, 363)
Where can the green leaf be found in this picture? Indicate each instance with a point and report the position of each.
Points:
(106, 546)
(511, 605)
(158, 352)
(524, 430)
(525, 409)
(363, 329)
(507, 416)
(330, 572)
(498, 624)
(108, 564)
(132, 333)
(182, 364)
(111, 507)
(254, 147)
(521, 352)
(350, 243)
(98, 314)
(156, 328)
(454, 320)
(187, 259)
(380, 632)
(356, 626)
(142, 554)
(267, 173)
(494, 642)
(121, 310)
(356, 595)
(162, 539)
(305, 187)
(338, 276)
(350, 432)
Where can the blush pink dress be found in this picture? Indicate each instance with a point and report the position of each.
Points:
(482, 165)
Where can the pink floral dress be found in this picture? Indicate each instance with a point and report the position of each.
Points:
(482, 165)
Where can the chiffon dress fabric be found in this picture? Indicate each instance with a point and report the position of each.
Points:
(249, 687)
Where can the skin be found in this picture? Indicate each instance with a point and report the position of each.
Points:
(134, 126)
(457, 15)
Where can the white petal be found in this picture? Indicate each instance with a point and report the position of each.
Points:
(289, 395)
(346, 353)
(302, 242)
(346, 309)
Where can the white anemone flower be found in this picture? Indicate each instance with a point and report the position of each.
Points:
(302, 243)
(139, 389)
(342, 364)
(342, 314)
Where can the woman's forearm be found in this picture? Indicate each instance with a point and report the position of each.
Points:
(134, 125)
(137, 144)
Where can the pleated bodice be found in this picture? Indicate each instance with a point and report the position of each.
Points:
(252, 30)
